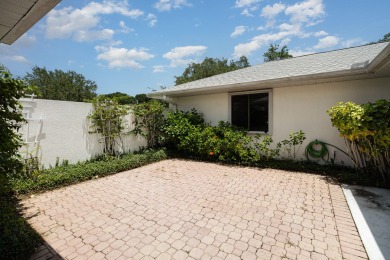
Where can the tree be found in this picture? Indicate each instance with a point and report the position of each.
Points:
(273, 53)
(148, 121)
(107, 122)
(210, 67)
(11, 90)
(386, 38)
(142, 98)
(121, 98)
(60, 85)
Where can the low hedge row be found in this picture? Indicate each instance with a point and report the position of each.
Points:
(65, 175)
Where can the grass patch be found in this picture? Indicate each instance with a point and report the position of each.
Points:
(65, 175)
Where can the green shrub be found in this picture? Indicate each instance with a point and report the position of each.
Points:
(107, 121)
(232, 144)
(178, 125)
(65, 175)
(366, 130)
(263, 147)
(189, 134)
(291, 145)
(17, 239)
(148, 121)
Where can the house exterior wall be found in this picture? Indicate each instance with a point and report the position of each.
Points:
(214, 107)
(300, 108)
(64, 131)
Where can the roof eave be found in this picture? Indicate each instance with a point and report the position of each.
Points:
(280, 82)
(379, 61)
(39, 10)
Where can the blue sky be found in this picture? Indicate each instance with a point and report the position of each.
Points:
(136, 46)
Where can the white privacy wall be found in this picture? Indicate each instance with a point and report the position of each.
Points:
(64, 131)
(300, 108)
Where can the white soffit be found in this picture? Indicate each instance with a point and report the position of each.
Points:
(18, 16)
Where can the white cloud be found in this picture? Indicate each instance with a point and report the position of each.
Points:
(122, 57)
(296, 53)
(285, 41)
(248, 6)
(158, 68)
(12, 52)
(257, 42)
(238, 31)
(125, 28)
(245, 3)
(308, 11)
(327, 42)
(351, 43)
(167, 5)
(82, 24)
(152, 19)
(270, 12)
(299, 16)
(180, 56)
(19, 58)
(320, 33)
(246, 12)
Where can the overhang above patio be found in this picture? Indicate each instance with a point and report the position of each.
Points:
(18, 16)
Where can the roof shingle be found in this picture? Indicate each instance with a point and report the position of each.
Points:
(308, 65)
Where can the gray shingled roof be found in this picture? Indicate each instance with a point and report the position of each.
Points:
(332, 62)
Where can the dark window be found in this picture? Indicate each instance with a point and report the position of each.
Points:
(251, 111)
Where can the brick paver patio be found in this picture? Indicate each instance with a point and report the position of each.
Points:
(178, 209)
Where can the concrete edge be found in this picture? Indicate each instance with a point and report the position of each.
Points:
(366, 235)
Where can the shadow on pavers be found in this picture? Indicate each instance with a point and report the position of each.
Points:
(18, 240)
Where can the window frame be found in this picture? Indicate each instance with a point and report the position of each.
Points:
(270, 108)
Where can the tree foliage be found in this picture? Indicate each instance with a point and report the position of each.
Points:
(60, 85)
(274, 53)
(142, 98)
(210, 67)
(125, 99)
(386, 38)
(107, 122)
(121, 98)
(11, 90)
(148, 121)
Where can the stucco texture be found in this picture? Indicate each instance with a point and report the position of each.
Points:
(299, 108)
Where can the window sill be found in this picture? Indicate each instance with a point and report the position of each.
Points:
(259, 132)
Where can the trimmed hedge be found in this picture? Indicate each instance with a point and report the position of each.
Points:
(66, 175)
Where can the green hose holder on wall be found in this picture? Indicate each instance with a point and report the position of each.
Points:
(322, 152)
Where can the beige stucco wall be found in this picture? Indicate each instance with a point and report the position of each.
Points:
(214, 107)
(64, 133)
(300, 108)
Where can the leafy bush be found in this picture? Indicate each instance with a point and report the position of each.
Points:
(107, 122)
(263, 147)
(11, 118)
(17, 240)
(366, 130)
(231, 143)
(65, 175)
(178, 125)
(148, 121)
(291, 145)
(189, 134)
